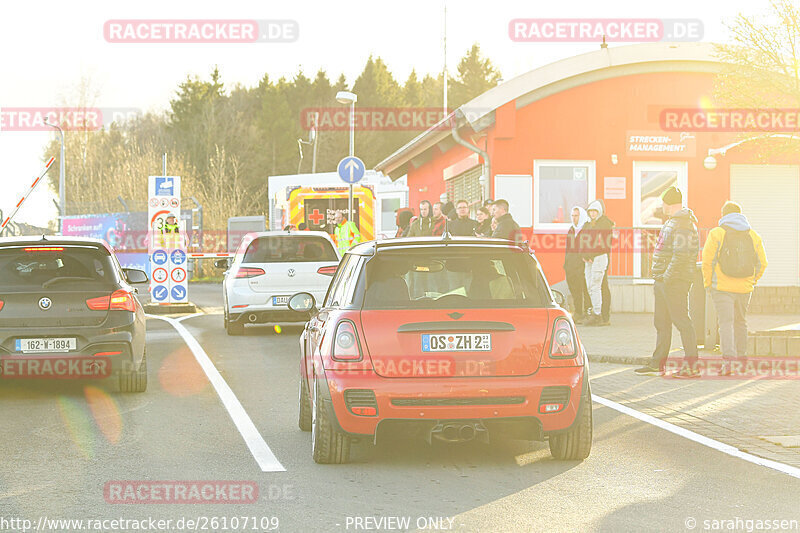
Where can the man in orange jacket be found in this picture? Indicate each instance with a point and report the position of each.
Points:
(733, 261)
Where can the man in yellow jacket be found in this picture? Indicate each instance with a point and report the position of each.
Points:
(346, 233)
(733, 261)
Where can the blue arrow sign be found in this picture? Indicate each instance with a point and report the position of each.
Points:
(178, 257)
(178, 292)
(160, 293)
(351, 169)
(159, 257)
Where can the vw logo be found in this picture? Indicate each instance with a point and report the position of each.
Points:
(291, 272)
(45, 303)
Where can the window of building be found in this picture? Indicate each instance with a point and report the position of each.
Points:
(650, 180)
(466, 186)
(557, 186)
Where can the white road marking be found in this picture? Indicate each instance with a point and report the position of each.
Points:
(255, 442)
(700, 439)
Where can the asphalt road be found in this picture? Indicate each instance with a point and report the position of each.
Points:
(62, 443)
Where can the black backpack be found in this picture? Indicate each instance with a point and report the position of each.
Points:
(737, 256)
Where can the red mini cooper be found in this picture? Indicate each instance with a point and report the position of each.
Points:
(450, 338)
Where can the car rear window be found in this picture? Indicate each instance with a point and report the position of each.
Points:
(442, 278)
(37, 266)
(289, 249)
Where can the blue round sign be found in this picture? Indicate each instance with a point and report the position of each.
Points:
(178, 257)
(160, 293)
(351, 169)
(178, 292)
(159, 257)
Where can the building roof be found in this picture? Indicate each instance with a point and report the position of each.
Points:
(555, 77)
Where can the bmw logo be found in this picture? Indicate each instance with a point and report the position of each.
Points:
(291, 272)
(45, 303)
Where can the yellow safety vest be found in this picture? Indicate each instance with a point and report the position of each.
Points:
(346, 235)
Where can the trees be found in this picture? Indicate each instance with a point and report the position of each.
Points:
(225, 142)
(761, 66)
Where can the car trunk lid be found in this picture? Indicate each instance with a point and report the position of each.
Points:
(455, 342)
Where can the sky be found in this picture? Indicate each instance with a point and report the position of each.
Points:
(48, 48)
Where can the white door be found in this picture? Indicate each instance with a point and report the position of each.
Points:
(770, 199)
(650, 179)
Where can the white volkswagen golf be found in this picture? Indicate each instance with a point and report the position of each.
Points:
(268, 268)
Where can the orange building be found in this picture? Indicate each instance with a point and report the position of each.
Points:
(590, 127)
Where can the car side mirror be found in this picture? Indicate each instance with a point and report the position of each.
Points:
(559, 297)
(302, 302)
(222, 264)
(134, 275)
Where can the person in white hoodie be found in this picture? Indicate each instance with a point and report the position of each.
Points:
(574, 265)
(595, 242)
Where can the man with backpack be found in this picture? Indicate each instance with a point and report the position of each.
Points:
(733, 261)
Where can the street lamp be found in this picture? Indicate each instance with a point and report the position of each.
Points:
(346, 97)
(61, 186)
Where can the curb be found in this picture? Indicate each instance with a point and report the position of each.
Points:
(619, 360)
(169, 309)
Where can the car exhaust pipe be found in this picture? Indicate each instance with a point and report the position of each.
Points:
(252, 317)
(466, 432)
(458, 432)
(450, 432)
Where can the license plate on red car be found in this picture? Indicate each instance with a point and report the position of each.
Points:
(456, 342)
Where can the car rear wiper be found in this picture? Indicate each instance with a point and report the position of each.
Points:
(59, 279)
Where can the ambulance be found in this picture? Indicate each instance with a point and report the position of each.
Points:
(314, 199)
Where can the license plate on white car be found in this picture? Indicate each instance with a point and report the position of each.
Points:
(280, 300)
(456, 342)
(43, 345)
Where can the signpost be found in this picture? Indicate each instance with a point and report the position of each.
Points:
(166, 245)
(351, 170)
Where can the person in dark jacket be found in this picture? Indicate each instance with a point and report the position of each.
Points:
(506, 227)
(595, 243)
(404, 217)
(574, 265)
(484, 227)
(449, 210)
(674, 268)
(422, 225)
(462, 226)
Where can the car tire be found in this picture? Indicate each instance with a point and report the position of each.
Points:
(328, 446)
(304, 420)
(234, 328)
(575, 444)
(134, 380)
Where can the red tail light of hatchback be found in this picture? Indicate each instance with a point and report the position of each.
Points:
(345, 343)
(118, 301)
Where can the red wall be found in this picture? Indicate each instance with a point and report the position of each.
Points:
(590, 122)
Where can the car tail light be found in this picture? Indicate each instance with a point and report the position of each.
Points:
(1, 305)
(249, 272)
(98, 304)
(123, 301)
(563, 343)
(328, 270)
(106, 354)
(118, 301)
(345, 342)
(364, 411)
(44, 249)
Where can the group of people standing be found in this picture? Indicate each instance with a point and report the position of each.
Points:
(492, 220)
(586, 261)
(733, 260)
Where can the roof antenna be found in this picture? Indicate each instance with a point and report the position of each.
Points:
(446, 235)
(604, 44)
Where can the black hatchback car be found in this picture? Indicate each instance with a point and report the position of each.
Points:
(68, 310)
